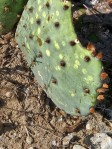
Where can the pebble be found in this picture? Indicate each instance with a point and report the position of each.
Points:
(19, 135)
(54, 143)
(91, 2)
(14, 135)
(29, 140)
(88, 126)
(8, 94)
(101, 141)
(31, 148)
(60, 119)
(78, 147)
(66, 140)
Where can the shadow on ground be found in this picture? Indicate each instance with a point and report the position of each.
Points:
(97, 29)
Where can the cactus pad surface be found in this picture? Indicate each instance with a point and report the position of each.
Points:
(10, 11)
(68, 72)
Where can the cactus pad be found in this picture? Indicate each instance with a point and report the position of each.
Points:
(68, 72)
(10, 11)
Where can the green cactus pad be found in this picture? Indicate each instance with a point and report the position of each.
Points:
(10, 11)
(67, 72)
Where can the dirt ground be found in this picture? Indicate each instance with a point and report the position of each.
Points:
(28, 118)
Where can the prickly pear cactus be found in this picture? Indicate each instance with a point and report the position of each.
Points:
(67, 72)
(10, 11)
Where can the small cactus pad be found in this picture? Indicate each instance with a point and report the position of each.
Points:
(10, 11)
(68, 73)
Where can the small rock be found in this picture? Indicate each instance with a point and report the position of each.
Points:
(29, 140)
(8, 94)
(60, 119)
(78, 147)
(91, 2)
(66, 140)
(54, 143)
(14, 135)
(88, 126)
(31, 148)
(19, 135)
(101, 141)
